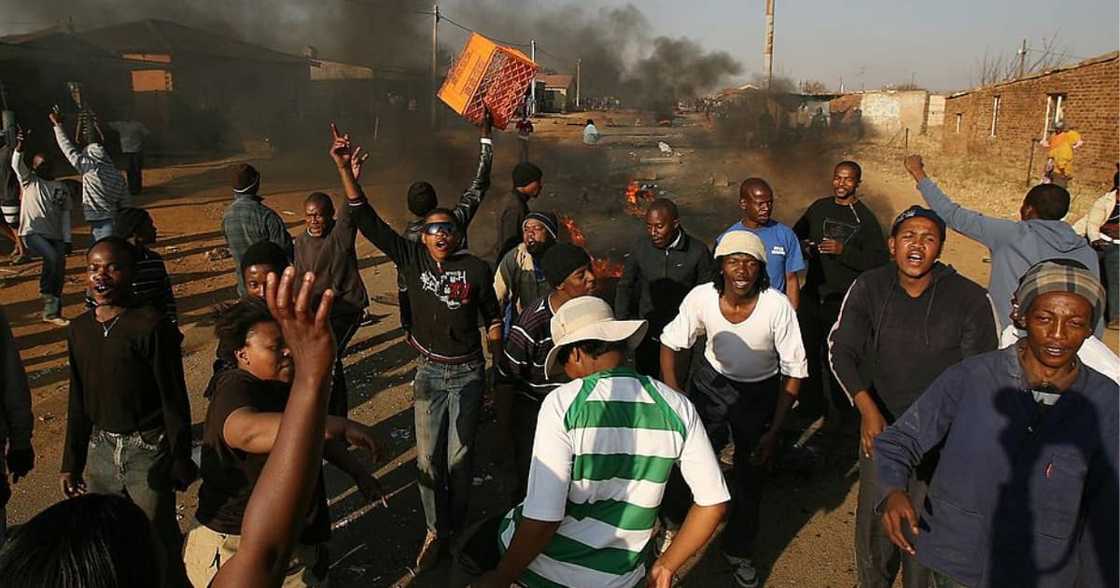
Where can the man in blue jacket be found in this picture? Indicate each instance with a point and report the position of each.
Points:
(1025, 492)
(1015, 245)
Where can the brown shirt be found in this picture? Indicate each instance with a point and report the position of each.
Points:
(334, 261)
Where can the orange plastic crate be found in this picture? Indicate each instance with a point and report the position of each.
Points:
(491, 75)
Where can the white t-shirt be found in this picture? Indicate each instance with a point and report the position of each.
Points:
(767, 343)
(1093, 353)
(604, 448)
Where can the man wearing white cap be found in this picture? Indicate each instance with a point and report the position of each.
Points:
(746, 381)
(604, 447)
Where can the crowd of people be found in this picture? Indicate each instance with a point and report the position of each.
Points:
(989, 418)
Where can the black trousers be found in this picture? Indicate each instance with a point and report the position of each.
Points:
(343, 327)
(524, 424)
(820, 394)
(135, 171)
(731, 411)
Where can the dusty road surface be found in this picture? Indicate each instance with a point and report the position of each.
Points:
(808, 512)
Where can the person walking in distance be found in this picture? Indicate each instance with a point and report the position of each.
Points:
(1059, 166)
(747, 379)
(900, 326)
(450, 290)
(132, 134)
(841, 239)
(104, 190)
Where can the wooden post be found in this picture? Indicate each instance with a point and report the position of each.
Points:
(1030, 164)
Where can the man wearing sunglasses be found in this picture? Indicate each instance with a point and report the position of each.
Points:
(449, 289)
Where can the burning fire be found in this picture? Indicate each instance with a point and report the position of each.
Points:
(637, 195)
(601, 267)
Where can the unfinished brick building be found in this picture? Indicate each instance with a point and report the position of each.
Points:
(1001, 124)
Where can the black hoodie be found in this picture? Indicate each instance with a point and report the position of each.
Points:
(895, 346)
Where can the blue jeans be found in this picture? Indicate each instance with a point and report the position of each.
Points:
(53, 253)
(448, 401)
(100, 228)
(136, 466)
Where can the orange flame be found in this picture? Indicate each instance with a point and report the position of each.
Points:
(601, 267)
(574, 231)
(636, 195)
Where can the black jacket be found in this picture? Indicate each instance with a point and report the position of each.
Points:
(515, 207)
(895, 346)
(864, 246)
(658, 279)
(446, 299)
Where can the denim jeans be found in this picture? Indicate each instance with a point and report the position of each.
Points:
(137, 466)
(53, 253)
(100, 228)
(448, 400)
(877, 559)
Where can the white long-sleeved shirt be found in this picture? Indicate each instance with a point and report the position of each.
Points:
(104, 189)
(45, 209)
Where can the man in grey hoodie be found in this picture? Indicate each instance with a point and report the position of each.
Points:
(104, 190)
(1015, 246)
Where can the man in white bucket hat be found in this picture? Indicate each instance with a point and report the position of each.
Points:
(604, 447)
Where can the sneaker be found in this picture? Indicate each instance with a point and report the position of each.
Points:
(743, 572)
(430, 553)
(56, 320)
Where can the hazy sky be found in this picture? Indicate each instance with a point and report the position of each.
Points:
(876, 42)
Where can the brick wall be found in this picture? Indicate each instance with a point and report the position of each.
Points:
(1091, 106)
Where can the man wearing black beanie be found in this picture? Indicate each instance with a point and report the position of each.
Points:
(527, 184)
(422, 199)
(522, 383)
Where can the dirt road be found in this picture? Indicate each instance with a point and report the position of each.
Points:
(807, 515)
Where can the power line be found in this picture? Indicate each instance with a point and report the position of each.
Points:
(443, 16)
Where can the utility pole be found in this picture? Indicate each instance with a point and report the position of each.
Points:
(768, 48)
(1022, 58)
(579, 64)
(533, 83)
(435, 60)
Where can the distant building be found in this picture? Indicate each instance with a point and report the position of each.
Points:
(213, 89)
(1001, 124)
(559, 93)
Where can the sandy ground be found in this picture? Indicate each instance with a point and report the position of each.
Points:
(808, 515)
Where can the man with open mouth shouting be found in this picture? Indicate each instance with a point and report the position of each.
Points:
(900, 326)
(128, 427)
(449, 289)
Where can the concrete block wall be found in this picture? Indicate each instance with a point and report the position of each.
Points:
(1091, 106)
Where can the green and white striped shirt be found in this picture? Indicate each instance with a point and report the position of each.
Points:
(604, 448)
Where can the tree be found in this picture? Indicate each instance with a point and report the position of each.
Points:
(813, 87)
(993, 68)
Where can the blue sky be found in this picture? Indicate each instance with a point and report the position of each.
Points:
(876, 42)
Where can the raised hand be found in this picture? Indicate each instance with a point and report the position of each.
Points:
(21, 137)
(306, 331)
(357, 159)
(487, 122)
(340, 147)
